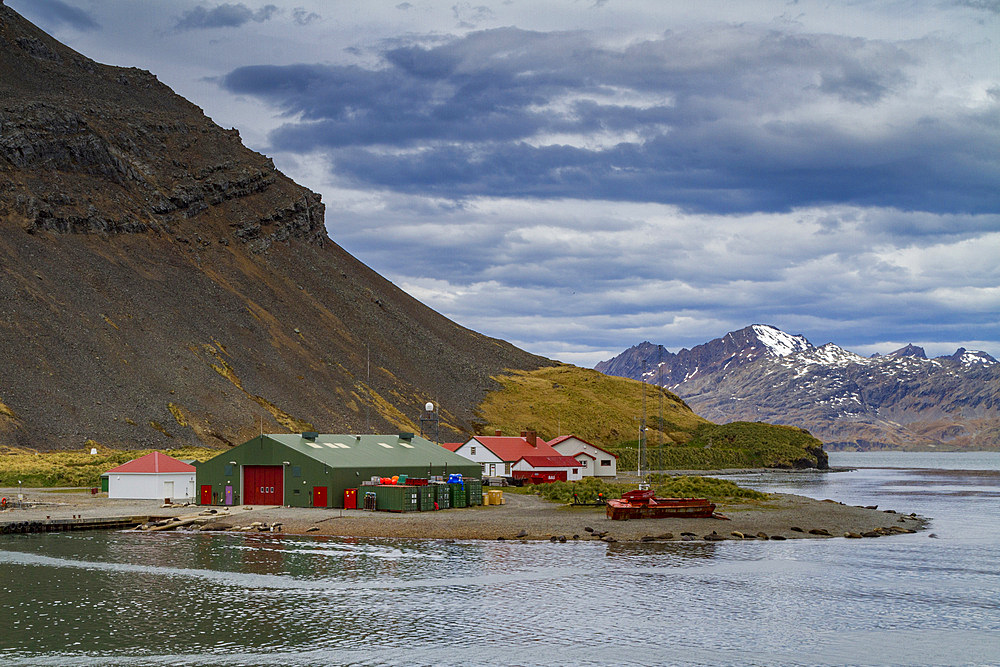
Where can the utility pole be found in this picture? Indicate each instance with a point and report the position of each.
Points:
(659, 387)
(642, 424)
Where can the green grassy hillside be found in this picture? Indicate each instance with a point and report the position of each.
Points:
(607, 411)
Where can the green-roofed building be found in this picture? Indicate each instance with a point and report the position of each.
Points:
(313, 469)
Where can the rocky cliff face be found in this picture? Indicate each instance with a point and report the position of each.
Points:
(161, 284)
(900, 400)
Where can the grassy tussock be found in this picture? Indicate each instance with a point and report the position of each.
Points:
(76, 467)
(682, 486)
(735, 445)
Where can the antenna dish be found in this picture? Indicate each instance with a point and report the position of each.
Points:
(429, 407)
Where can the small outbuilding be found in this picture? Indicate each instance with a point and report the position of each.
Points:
(314, 470)
(154, 476)
(542, 469)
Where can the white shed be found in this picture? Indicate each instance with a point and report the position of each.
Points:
(154, 476)
(594, 461)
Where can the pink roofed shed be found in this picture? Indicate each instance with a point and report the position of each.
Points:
(154, 476)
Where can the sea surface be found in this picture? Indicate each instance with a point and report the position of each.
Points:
(932, 598)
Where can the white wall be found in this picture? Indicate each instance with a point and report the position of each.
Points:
(573, 446)
(484, 457)
(150, 486)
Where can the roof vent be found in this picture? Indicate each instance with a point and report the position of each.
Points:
(310, 435)
(406, 436)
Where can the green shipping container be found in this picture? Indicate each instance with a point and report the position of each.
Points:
(441, 495)
(456, 493)
(396, 498)
(426, 497)
(473, 492)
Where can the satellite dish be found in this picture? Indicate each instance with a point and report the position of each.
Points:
(429, 407)
(93, 450)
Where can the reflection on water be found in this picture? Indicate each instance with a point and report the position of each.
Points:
(212, 598)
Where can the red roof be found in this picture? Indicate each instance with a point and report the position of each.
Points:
(551, 461)
(512, 448)
(555, 441)
(452, 446)
(154, 463)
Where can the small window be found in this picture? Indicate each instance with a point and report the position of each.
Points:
(228, 472)
(472, 450)
(484, 467)
(296, 471)
(506, 468)
(605, 463)
(583, 464)
(576, 471)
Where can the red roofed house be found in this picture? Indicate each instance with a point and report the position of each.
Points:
(594, 461)
(499, 455)
(154, 476)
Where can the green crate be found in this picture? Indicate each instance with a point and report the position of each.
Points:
(425, 498)
(394, 498)
(473, 492)
(457, 496)
(442, 495)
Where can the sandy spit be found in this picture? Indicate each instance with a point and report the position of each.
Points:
(522, 517)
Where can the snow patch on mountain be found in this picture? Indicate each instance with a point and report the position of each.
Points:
(778, 342)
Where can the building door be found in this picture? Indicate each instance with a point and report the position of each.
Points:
(263, 485)
(319, 496)
(206, 494)
(493, 469)
(229, 495)
(168, 490)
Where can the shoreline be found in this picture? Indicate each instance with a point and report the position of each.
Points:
(522, 517)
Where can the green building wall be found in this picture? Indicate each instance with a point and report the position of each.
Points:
(304, 468)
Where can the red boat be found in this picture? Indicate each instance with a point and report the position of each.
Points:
(642, 504)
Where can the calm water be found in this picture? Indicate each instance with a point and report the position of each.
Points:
(196, 599)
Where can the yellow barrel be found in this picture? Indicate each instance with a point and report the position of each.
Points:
(495, 496)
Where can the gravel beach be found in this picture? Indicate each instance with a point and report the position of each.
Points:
(523, 517)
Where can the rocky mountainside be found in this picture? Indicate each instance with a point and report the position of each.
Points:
(162, 285)
(899, 400)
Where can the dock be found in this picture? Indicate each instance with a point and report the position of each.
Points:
(55, 525)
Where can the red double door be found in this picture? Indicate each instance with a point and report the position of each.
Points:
(263, 485)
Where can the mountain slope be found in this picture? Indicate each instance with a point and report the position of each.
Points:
(160, 284)
(900, 400)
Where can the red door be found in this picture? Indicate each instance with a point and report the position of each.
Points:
(319, 496)
(263, 485)
(206, 494)
(350, 499)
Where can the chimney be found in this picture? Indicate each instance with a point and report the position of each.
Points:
(499, 433)
(532, 438)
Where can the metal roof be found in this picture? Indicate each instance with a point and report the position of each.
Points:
(512, 448)
(551, 461)
(154, 462)
(336, 450)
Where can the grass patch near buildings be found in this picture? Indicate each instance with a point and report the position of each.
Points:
(75, 468)
(665, 486)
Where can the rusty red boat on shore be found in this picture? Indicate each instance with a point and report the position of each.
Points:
(642, 504)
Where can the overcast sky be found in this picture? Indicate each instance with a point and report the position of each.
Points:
(579, 176)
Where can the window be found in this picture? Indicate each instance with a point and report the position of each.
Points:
(583, 464)
(605, 463)
(228, 471)
(506, 468)
(472, 450)
(484, 467)
(576, 471)
(296, 471)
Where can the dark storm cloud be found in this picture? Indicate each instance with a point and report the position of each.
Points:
(223, 16)
(716, 121)
(54, 13)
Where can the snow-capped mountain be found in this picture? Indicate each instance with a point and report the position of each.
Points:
(897, 400)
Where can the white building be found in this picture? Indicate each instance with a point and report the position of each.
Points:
(505, 456)
(154, 476)
(594, 461)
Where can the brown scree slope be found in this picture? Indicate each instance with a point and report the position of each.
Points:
(161, 284)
